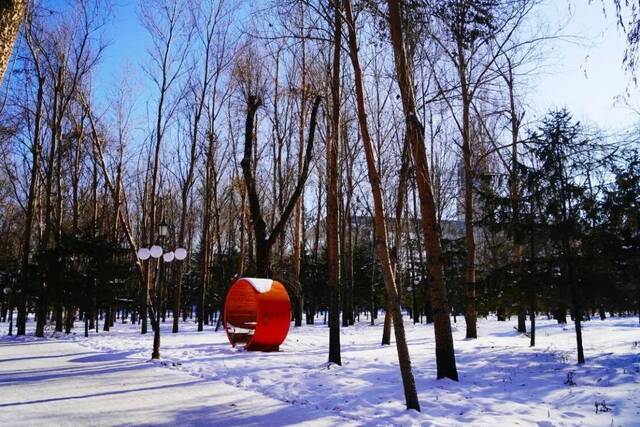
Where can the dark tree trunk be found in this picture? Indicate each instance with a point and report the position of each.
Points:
(333, 257)
(576, 309)
(560, 314)
(522, 321)
(59, 316)
(70, 318)
(298, 222)
(386, 330)
(106, 324)
(26, 240)
(532, 317)
(445, 355)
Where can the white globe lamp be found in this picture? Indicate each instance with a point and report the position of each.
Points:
(180, 253)
(144, 254)
(156, 251)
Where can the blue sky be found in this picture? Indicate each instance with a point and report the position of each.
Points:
(127, 40)
(587, 75)
(584, 74)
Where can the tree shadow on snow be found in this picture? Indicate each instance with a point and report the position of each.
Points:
(103, 357)
(102, 394)
(238, 412)
(49, 356)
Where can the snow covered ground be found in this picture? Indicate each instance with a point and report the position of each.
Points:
(108, 379)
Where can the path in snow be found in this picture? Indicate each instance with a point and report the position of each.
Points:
(63, 383)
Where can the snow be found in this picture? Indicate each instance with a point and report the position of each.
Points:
(260, 285)
(108, 379)
(62, 383)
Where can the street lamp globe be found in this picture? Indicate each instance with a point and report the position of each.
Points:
(144, 254)
(156, 251)
(181, 253)
(168, 257)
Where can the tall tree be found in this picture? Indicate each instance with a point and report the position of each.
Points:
(445, 355)
(562, 152)
(298, 218)
(34, 49)
(472, 34)
(210, 60)
(164, 20)
(333, 142)
(382, 244)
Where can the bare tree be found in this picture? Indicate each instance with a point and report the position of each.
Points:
(263, 241)
(299, 211)
(212, 29)
(382, 247)
(164, 20)
(333, 142)
(70, 53)
(445, 356)
(36, 147)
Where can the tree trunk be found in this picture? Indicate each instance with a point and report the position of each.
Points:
(386, 328)
(532, 317)
(311, 300)
(299, 210)
(400, 199)
(242, 221)
(69, 319)
(26, 239)
(445, 356)
(411, 396)
(48, 212)
(333, 263)
(12, 13)
(470, 243)
(204, 246)
(522, 319)
(59, 316)
(577, 306)
(517, 249)
(347, 240)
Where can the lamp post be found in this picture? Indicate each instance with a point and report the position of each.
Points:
(157, 252)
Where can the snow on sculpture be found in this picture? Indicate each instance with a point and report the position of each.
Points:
(257, 314)
(260, 285)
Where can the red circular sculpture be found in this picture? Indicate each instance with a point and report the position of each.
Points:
(257, 314)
